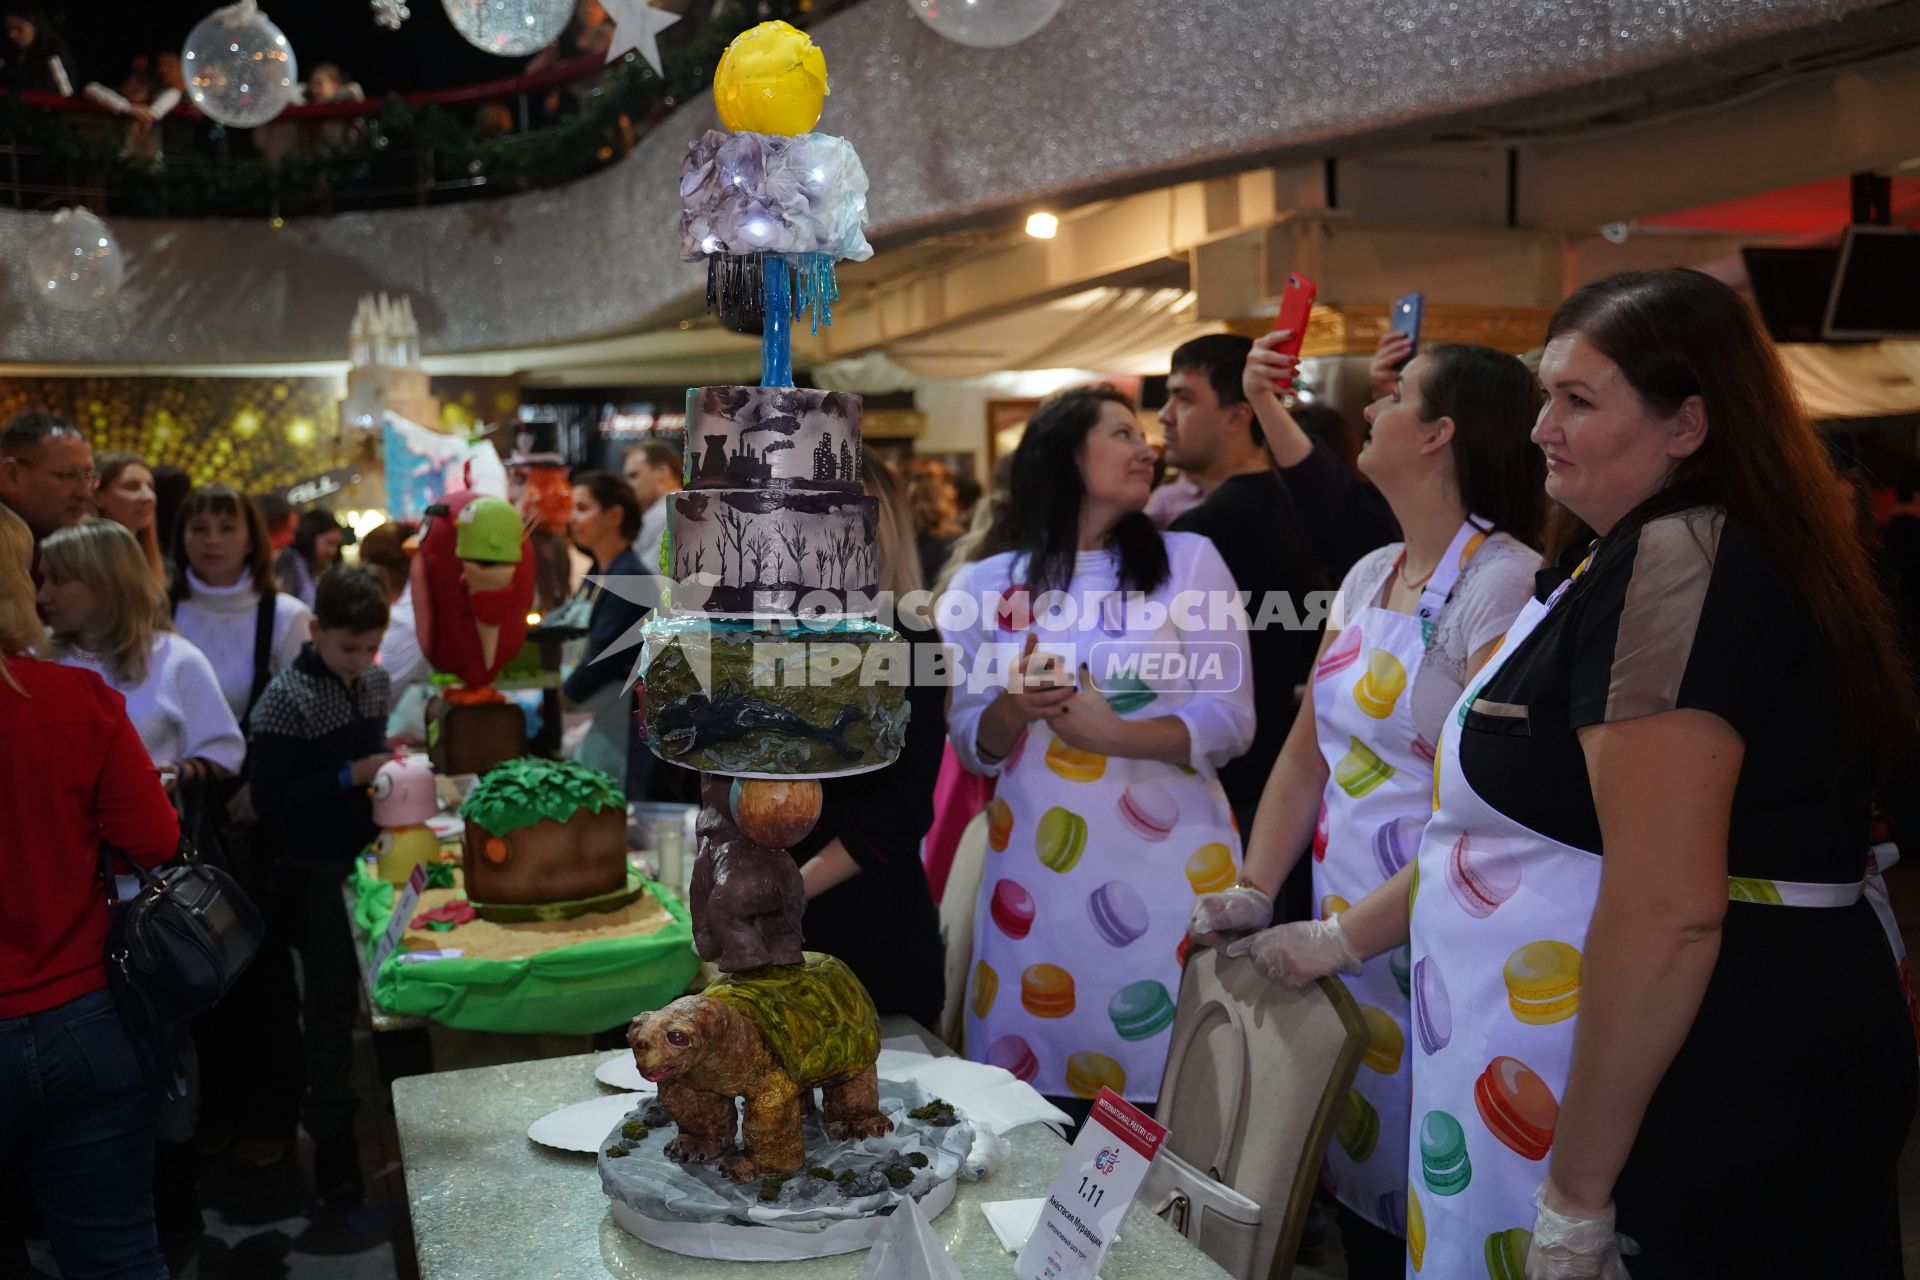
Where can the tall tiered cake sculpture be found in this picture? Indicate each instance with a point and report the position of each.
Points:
(767, 673)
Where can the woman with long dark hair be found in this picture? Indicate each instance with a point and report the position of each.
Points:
(34, 58)
(606, 520)
(1651, 997)
(1108, 816)
(1448, 447)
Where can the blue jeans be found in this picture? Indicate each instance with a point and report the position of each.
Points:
(77, 1126)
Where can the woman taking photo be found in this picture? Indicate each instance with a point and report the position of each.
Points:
(1651, 996)
(1448, 448)
(99, 602)
(76, 1117)
(1108, 817)
(867, 896)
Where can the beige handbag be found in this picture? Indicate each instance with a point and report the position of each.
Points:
(1221, 1222)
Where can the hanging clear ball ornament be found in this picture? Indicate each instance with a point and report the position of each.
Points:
(986, 24)
(240, 70)
(510, 28)
(391, 13)
(75, 263)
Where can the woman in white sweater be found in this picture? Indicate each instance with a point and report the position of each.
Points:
(99, 602)
(224, 594)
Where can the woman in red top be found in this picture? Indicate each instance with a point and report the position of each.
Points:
(76, 1116)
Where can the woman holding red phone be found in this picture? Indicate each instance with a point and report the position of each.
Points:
(1413, 621)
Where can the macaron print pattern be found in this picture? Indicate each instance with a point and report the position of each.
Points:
(1046, 991)
(1211, 869)
(1432, 1010)
(1481, 879)
(1507, 1254)
(1394, 843)
(1059, 839)
(1332, 905)
(1416, 1229)
(1089, 1072)
(1320, 834)
(1118, 912)
(1360, 771)
(1399, 964)
(1341, 654)
(1141, 1010)
(1517, 1106)
(1011, 909)
(1386, 1043)
(1014, 1054)
(1359, 1131)
(1444, 1166)
(1149, 810)
(1127, 694)
(999, 824)
(1543, 982)
(986, 985)
(1380, 688)
(1074, 764)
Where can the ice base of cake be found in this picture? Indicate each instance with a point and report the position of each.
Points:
(693, 1209)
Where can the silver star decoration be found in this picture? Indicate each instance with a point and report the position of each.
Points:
(391, 13)
(637, 26)
(658, 596)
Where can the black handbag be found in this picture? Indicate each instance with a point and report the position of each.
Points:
(174, 948)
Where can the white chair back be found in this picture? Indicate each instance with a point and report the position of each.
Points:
(956, 926)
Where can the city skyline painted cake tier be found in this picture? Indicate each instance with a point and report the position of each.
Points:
(772, 438)
(773, 553)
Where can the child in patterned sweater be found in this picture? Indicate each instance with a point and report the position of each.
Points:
(315, 740)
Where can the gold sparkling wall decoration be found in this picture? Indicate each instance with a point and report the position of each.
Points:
(253, 433)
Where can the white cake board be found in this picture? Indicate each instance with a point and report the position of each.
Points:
(733, 1243)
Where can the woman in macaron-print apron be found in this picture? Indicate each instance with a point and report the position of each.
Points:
(1449, 450)
(1107, 818)
(1663, 1012)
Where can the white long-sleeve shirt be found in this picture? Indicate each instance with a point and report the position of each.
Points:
(178, 709)
(1219, 720)
(219, 622)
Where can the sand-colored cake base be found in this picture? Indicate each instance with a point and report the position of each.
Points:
(485, 940)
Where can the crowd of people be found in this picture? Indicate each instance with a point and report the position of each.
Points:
(1595, 722)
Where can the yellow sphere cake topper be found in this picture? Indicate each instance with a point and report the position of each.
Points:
(771, 79)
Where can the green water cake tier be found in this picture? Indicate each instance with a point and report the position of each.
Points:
(775, 699)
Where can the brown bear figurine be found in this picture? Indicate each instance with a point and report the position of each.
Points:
(746, 900)
(771, 1038)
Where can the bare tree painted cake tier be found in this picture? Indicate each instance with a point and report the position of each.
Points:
(769, 552)
(772, 438)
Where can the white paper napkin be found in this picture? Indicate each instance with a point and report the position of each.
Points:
(1013, 1221)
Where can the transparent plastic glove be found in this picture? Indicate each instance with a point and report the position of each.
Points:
(1566, 1248)
(1240, 909)
(1298, 953)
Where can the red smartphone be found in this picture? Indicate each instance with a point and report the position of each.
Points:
(1296, 304)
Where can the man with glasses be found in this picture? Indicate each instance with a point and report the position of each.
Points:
(46, 474)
